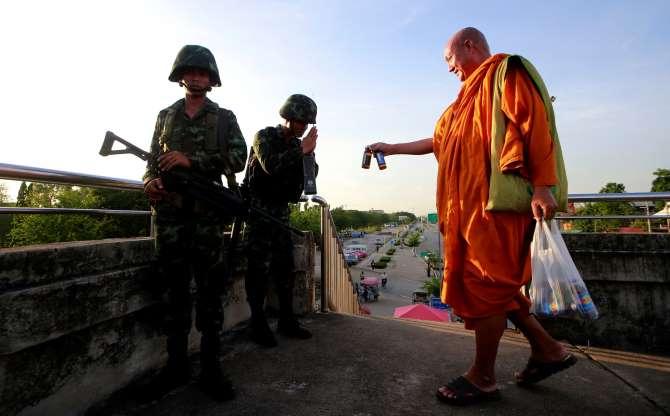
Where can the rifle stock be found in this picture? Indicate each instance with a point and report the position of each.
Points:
(229, 202)
(108, 145)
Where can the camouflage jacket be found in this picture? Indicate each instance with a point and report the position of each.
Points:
(198, 139)
(274, 175)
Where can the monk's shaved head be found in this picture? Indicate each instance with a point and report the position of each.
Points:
(465, 51)
(473, 35)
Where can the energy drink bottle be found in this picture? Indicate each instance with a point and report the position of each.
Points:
(367, 157)
(380, 160)
(586, 307)
(309, 173)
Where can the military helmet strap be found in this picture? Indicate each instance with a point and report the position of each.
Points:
(168, 123)
(222, 142)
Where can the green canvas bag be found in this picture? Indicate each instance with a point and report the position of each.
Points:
(510, 192)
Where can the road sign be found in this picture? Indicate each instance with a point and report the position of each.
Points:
(432, 217)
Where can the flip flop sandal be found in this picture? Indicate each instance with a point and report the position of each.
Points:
(460, 392)
(537, 371)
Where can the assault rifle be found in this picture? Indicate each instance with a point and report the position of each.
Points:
(228, 201)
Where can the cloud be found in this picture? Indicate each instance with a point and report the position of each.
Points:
(411, 16)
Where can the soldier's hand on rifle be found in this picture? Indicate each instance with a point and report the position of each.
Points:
(155, 190)
(309, 142)
(173, 159)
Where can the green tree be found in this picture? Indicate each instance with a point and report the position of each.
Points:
(354, 219)
(21, 197)
(117, 226)
(308, 219)
(413, 240)
(432, 286)
(5, 219)
(49, 228)
(36, 229)
(661, 184)
(4, 196)
(605, 208)
(410, 217)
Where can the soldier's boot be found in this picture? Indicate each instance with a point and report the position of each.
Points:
(177, 372)
(290, 327)
(213, 381)
(288, 324)
(260, 331)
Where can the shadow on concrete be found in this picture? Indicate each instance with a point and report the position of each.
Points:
(380, 366)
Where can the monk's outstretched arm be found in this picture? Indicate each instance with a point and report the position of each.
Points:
(417, 147)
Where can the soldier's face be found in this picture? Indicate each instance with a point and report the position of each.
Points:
(196, 81)
(297, 128)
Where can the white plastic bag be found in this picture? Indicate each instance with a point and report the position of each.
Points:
(556, 288)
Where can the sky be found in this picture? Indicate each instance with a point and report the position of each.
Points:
(72, 70)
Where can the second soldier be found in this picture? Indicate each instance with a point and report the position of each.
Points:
(274, 178)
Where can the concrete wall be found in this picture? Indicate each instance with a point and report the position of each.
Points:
(80, 320)
(628, 276)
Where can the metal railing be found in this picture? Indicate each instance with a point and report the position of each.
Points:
(33, 174)
(338, 291)
(41, 175)
(621, 197)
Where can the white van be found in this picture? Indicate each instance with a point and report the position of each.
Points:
(356, 247)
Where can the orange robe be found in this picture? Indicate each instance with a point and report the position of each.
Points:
(487, 253)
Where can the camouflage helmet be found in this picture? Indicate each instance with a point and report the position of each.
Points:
(195, 56)
(300, 108)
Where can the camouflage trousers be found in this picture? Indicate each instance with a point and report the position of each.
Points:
(191, 248)
(269, 258)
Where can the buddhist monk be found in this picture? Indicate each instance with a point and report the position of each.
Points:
(487, 253)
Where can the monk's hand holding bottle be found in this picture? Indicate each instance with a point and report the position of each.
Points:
(380, 147)
(543, 203)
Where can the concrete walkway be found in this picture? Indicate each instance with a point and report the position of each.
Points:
(379, 366)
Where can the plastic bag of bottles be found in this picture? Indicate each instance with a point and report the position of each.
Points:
(556, 289)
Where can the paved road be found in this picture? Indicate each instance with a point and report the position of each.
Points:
(406, 272)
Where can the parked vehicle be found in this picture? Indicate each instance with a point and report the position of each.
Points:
(420, 297)
(357, 247)
(360, 254)
(368, 289)
(350, 258)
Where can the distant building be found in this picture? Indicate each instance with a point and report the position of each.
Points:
(376, 211)
(644, 207)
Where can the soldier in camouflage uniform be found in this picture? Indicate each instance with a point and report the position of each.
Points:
(274, 178)
(193, 134)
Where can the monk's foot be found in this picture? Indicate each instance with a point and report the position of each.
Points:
(483, 383)
(550, 354)
(537, 371)
(461, 392)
